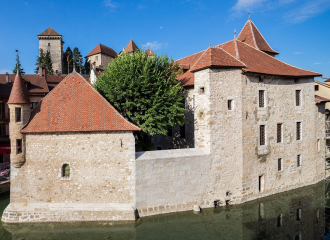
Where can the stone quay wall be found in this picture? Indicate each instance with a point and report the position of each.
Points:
(171, 180)
(101, 185)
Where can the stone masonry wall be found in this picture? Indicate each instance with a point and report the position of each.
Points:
(280, 108)
(171, 180)
(55, 49)
(101, 185)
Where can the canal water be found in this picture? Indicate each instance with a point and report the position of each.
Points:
(297, 214)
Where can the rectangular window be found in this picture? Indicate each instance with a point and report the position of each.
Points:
(18, 114)
(279, 164)
(183, 131)
(298, 130)
(261, 183)
(230, 102)
(261, 98)
(48, 44)
(318, 145)
(298, 98)
(33, 104)
(262, 137)
(299, 160)
(279, 220)
(19, 145)
(316, 87)
(279, 132)
(96, 58)
(298, 214)
(201, 90)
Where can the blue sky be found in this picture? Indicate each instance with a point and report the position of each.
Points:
(298, 29)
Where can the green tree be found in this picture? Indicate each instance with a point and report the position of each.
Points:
(67, 58)
(21, 70)
(87, 67)
(77, 59)
(145, 91)
(45, 61)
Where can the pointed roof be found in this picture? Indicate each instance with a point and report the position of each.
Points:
(100, 48)
(251, 36)
(18, 94)
(320, 99)
(49, 32)
(328, 80)
(131, 47)
(149, 52)
(258, 61)
(75, 106)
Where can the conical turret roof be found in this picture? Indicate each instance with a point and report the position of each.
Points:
(131, 47)
(49, 32)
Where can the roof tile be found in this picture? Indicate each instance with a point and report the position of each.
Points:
(49, 32)
(100, 48)
(18, 94)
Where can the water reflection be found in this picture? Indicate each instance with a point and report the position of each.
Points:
(297, 214)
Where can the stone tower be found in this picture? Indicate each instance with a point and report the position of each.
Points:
(51, 41)
(19, 107)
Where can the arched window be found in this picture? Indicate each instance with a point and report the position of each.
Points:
(65, 170)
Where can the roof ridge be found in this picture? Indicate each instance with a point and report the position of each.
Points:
(278, 59)
(253, 37)
(262, 36)
(189, 55)
(323, 84)
(236, 50)
(241, 30)
(232, 55)
(199, 58)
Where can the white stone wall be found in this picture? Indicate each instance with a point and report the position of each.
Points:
(171, 180)
(101, 184)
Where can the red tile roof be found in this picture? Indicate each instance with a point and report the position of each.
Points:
(100, 48)
(53, 80)
(18, 94)
(251, 36)
(259, 62)
(320, 99)
(215, 57)
(149, 52)
(131, 47)
(75, 106)
(49, 32)
(328, 80)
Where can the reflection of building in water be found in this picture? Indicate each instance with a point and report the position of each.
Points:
(288, 215)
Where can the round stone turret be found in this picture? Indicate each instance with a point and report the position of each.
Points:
(19, 107)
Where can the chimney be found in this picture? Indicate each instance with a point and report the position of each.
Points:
(40, 70)
(7, 78)
(43, 72)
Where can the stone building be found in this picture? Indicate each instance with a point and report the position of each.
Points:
(51, 41)
(254, 128)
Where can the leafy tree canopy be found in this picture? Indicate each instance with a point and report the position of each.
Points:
(21, 70)
(145, 90)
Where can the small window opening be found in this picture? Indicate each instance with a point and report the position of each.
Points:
(279, 132)
(298, 214)
(18, 114)
(261, 98)
(183, 131)
(279, 164)
(296, 80)
(316, 87)
(297, 237)
(19, 145)
(318, 145)
(260, 79)
(201, 90)
(299, 160)
(159, 148)
(298, 98)
(48, 44)
(279, 220)
(169, 131)
(227, 202)
(262, 135)
(230, 104)
(216, 203)
(65, 170)
(2, 158)
(298, 130)
(261, 183)
(228, 193)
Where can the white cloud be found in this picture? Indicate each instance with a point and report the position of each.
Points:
(247, 5)
(317, 63)
(111, 4)
(161, 27)
(153, 45)
(297, 52)
(3, 71)
(307, 10)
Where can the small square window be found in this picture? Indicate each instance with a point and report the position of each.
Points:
(201, 90)
(18, 146)
(316, 87)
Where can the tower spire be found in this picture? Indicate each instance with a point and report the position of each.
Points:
(210, 44)
(18, 73)
(235, 34)
(249, 15)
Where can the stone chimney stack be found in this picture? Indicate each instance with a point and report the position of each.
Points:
(7, 78)
(19, 108)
